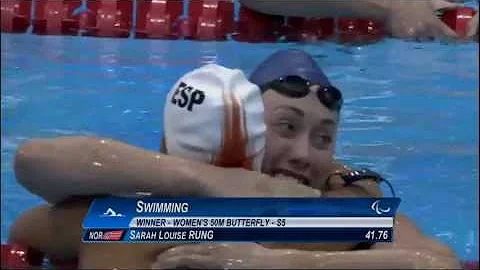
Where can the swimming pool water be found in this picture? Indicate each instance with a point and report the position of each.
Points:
(411, 111)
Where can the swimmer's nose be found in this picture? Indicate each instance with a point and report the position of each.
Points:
(298, 156)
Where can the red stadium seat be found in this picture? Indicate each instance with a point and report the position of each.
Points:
(291, 29)
(108, 18)
(253, 26)
(309, 30)
(53, 17)
(347, 29)
(156, 19)
(470, 265)
(185, 28)
(371, 31)
(209, 29)
(15, 15)
(15, 256)
(359, 31)
(20, 257)
(211, 19)
(458, 19)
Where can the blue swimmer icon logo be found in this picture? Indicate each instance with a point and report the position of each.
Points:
(111, 213)
(376, 207)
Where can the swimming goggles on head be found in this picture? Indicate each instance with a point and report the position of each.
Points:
(298, 87)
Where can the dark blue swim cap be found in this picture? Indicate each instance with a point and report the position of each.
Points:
(289, 62)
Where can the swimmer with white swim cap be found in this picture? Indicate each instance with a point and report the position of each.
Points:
(212, 115)
(135, 169)
(215, 115)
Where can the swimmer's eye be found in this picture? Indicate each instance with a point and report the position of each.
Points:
(322, 141)
(285, 128)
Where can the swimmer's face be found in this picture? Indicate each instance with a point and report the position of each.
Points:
(301, 137)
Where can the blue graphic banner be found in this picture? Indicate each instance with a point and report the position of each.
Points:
(115, 212)
(305, 235)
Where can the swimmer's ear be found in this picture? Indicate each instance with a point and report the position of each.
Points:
(163, 147)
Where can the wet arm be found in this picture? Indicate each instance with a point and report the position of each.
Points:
(364, 259)
(68, 166)
(253, 256)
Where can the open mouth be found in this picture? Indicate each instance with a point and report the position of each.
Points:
(292, 176)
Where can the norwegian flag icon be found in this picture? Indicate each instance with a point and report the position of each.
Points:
(112, 235)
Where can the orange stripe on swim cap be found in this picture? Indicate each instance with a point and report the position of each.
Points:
(233, 152)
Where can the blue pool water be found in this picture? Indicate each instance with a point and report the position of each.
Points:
(411, 111)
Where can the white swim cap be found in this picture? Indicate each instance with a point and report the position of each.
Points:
(215, 115)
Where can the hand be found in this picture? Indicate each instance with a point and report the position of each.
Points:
(336, 185)
(417, 20)
(335, 181)
(214, 256)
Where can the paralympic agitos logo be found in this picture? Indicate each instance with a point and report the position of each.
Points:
(376, 207)
(187, 96)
